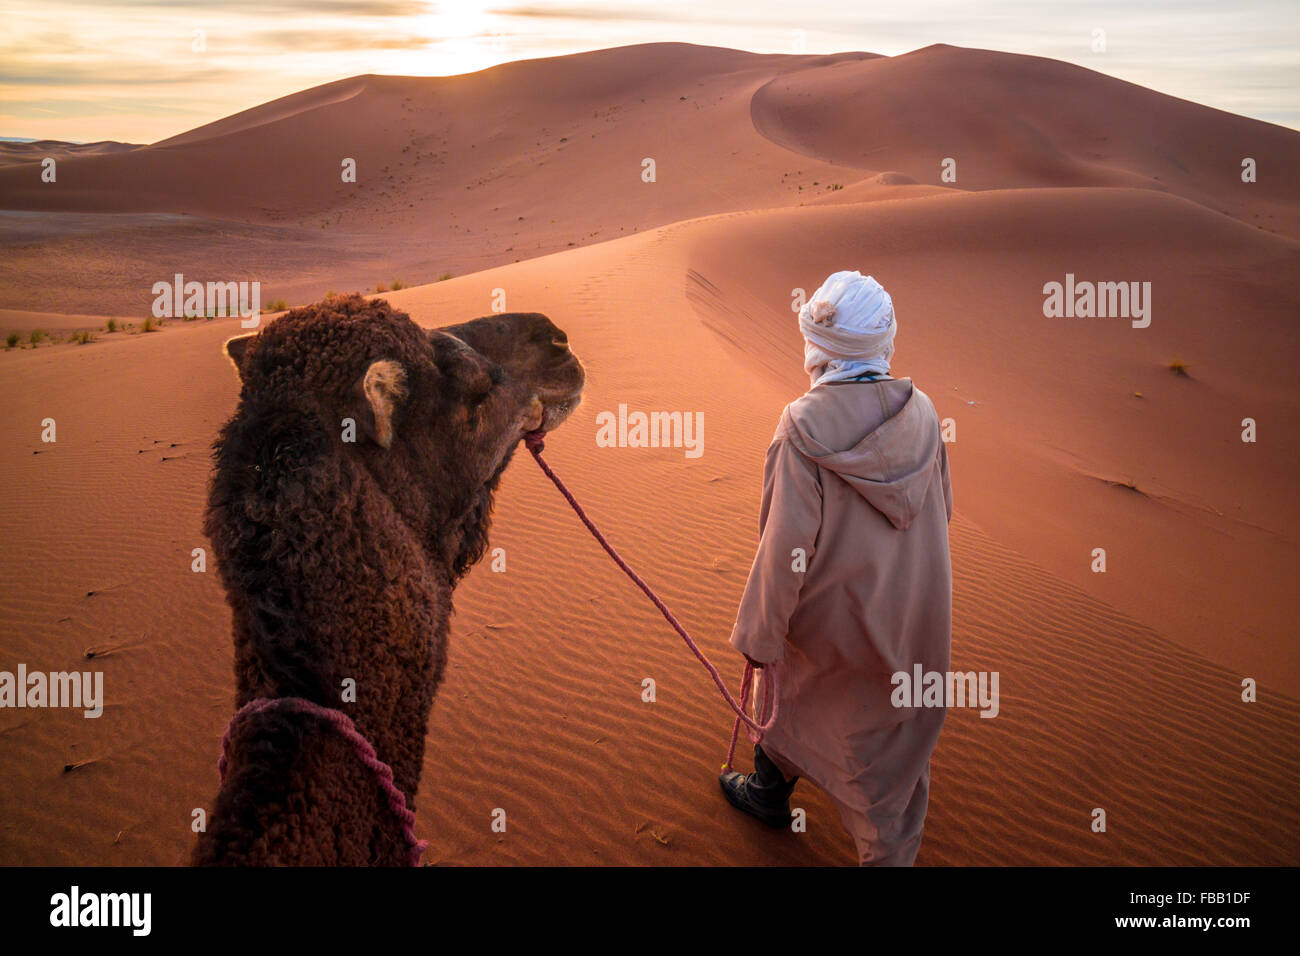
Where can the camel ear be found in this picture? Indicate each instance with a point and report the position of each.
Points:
(236, 349)
(383, 387)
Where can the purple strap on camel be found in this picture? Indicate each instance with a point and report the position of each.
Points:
(756, 730)
(342, 723)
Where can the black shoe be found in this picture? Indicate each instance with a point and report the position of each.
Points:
(764, 794)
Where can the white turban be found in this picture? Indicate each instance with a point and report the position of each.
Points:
(848, 327)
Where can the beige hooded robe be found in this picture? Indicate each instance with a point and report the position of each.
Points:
(851, 584)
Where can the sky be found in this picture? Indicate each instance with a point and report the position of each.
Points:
(142, 70)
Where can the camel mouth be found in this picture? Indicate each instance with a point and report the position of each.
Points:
(562, 393)
(557, 408)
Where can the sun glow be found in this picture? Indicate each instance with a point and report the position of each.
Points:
(462, 19)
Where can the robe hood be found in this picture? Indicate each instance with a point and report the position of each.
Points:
(891, 466)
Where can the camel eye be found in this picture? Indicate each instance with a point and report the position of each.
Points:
(495, 376)
(482, 388)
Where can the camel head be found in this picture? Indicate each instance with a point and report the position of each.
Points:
(535, 357)
(520, 376)
(435, 415)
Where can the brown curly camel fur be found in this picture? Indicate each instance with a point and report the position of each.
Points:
(339, 557)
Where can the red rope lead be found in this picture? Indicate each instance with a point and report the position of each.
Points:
(756, 730)
(342, 723)
(744, 699)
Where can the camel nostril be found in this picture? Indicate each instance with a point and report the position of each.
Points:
(561, 344)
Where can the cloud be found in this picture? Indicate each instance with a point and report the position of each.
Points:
(324, 40)
(61, 75)
(160, 105)
(340, 8)
(615, 12)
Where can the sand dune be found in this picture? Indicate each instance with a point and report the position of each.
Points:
(1016, 121)
(14, 153)
(454, 175)
(1119, 690)
(422, 143)
(458, 174)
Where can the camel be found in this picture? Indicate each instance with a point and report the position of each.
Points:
(352, 490)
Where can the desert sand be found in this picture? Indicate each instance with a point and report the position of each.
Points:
(1120, 690)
